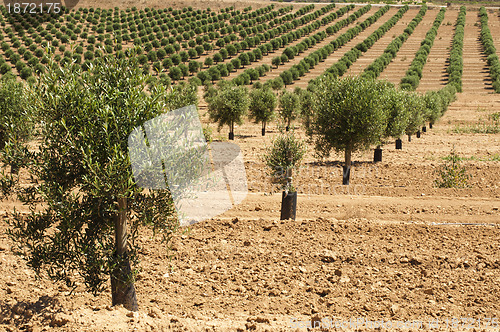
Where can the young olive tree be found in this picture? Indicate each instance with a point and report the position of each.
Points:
(434, 106)
(263, 102)
(283, 157)
(415, 104)
(289, 107)
(347, 116)
(306, 102)
(227, 105)
(85, 207)
(398, 115)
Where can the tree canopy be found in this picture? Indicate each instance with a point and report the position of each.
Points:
(84, 178)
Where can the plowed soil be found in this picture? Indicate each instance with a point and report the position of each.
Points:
(388, 250)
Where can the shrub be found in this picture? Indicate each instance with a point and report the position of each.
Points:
(452, 174)
(152, 56)
(208, 61)
(214, 74)
(175, 73)
(193, 66)
(192, 53)
(157, 66)
(415, 105)
(289, 107)
(25, 72)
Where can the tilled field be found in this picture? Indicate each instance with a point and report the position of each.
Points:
(390, 248)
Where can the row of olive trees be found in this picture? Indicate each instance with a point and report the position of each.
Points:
(229, 103)
(356, 113)
(347, 115)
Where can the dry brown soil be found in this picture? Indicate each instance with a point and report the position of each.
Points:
(391, 246)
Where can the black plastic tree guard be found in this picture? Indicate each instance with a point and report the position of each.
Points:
(346, 174)
(399, 144)
(231, 136)
(377, 155)
(418, 134)
(424, 129)
(263, 132)
(288, 205)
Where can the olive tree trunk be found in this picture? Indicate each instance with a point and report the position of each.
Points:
(263, 128)
(122, 283)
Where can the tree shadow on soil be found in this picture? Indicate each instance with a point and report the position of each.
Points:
(337, 163)
(20, 313)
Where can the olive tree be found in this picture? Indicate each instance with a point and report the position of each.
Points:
(289, 107)
(347, 116)
(282, 158)
(398, 114)
(228, 104)
(263, 102)
(306, 102)
(415, 105)
(86, 208)
(434, 106)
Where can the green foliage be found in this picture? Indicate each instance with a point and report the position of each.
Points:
(394, 101)
(228, 104)
(490, 50)
(284, 156)
(434, 106)
(277, 83)
(452, 174)
(16, 127)
(25, 73)
(455, 69)
(347, 115)
(84, 120)
(289, 106)
(415, 104)
(263, 102)
(207, 134)
(175, 73)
